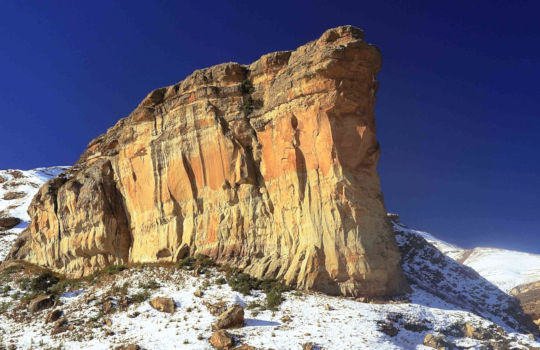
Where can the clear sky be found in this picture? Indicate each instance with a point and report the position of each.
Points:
(457, 112)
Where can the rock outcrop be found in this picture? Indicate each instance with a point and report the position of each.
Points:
(529, 298)
(269, 167)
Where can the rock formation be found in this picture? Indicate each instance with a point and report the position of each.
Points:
(529, 298)
(269, 167)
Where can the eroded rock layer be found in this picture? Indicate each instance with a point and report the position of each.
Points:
(269, 167)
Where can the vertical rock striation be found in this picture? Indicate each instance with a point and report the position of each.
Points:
(269, 167)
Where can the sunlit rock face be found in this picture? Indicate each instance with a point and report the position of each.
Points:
(269, 167)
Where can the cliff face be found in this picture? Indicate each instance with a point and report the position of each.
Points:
(529, 298)
(269, 167)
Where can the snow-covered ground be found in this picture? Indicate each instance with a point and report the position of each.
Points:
(25, 183)
(343, 324)
(504, 268)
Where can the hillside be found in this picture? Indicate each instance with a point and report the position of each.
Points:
(504, 268)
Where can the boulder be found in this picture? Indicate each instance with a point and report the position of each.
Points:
(14, 195)
(53, 316)
(7, 223)
(222, 340)
(232, 318)
(41, 302)
(438, 342)
(163, 304)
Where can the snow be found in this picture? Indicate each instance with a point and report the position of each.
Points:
(348, 325)
(504, 268)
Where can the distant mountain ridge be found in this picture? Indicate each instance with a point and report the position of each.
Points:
(504, 268)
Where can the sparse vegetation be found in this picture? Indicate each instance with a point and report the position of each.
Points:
(244, 283)
(114, 269)
(140, 297)
(149, 285)
(4, 306)
(200, 262)
(247, 89)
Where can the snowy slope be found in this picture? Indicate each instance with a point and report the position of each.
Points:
(329, 322)
(504, 268)
(22, 185)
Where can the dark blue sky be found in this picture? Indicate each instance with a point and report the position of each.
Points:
(457, 112)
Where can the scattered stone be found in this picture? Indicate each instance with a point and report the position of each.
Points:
(437, 342)
(108, 322)
(328, 307)
(198, 293)
(473, 332)
(128, 347)
(61, 326)
(417, 326)
(233, 317)
(163, 304)
(41, 302)
(310, 346)
(388, 328)
(286, 319)
(135, 314)
(14, 195)
(531, 337)
(221, 340)
(53, 316)
(216, 309)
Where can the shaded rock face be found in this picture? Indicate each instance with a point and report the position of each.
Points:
(529, 298)
(269, 167)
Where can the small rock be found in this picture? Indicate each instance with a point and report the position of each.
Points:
(286, 319)
(107, 307)
(61, 326)
(388, 328)
(310, 346)
(198, 293)
(53, 316)
(108, 322)
(163, 304)
(128, 347)
(328, 307)
(233, 317)
(41, 302)
(135, 314)
(14, 195)
(477, 333)
(531, 337)
(221, 340)
(437, 342)
(12, 347)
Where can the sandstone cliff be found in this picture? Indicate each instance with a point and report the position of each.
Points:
(269, 167)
